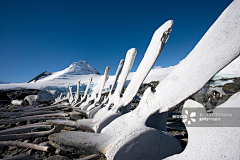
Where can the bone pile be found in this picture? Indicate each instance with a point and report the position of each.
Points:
(111, 126)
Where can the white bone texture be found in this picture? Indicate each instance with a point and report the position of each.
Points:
(70, 95)
(83, 99)
(76, 97)
(105, 115)
(129, 59)
(97, 92)
(212, 141)
(119, 69)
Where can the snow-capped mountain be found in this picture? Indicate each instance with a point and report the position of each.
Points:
(82, 71)
(76, 68)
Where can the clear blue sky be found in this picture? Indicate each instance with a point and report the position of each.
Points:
(49, 35)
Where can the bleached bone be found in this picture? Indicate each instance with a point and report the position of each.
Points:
(32, 100)
(22, 114)
(47, 108)
(86, 90)
(141, 133)
(96, 94)
(18, 102)
(57, 128)
(119, 69)
(76, 97)
(27, 145)
(129, 59)
(90, 157)
(212, 139)
(110, 92)
(105, 115)
(22, 128)
(70, 95)
(26, 118)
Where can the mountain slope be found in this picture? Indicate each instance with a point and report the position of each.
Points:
(76, 68)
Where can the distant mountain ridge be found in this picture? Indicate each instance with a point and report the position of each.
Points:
(76, 68)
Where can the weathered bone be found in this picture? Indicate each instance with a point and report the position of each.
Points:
(60, 99)
(57, 128)
(24, 128)
(215, 140)
(47, 108)
(110, 95)
(76, 97)
(71, 95)
(105, 115)
(129, 59)
(12, 120)
(86, 90)
(141, 132)
(27, 145)
(22, 114)
(90, 157)
(119, 69)
(96, 94)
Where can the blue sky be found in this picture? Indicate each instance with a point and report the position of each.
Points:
(49, 35)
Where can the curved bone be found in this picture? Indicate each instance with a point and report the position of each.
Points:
(27, 145)
(76, 97)
(24, 128)
(10, 120)
(46, 108)
(85, 94)
(215, 138)
(22, 114)
(70, 95)
(129, 59)
(137, 140)
(96, 94)
(56, 129)
(105, 115)
(119, 69)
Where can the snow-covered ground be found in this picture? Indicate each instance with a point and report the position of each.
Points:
(61, 80)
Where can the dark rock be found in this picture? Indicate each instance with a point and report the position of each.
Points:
(57, 158)
(21, 157)
(231, 88)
